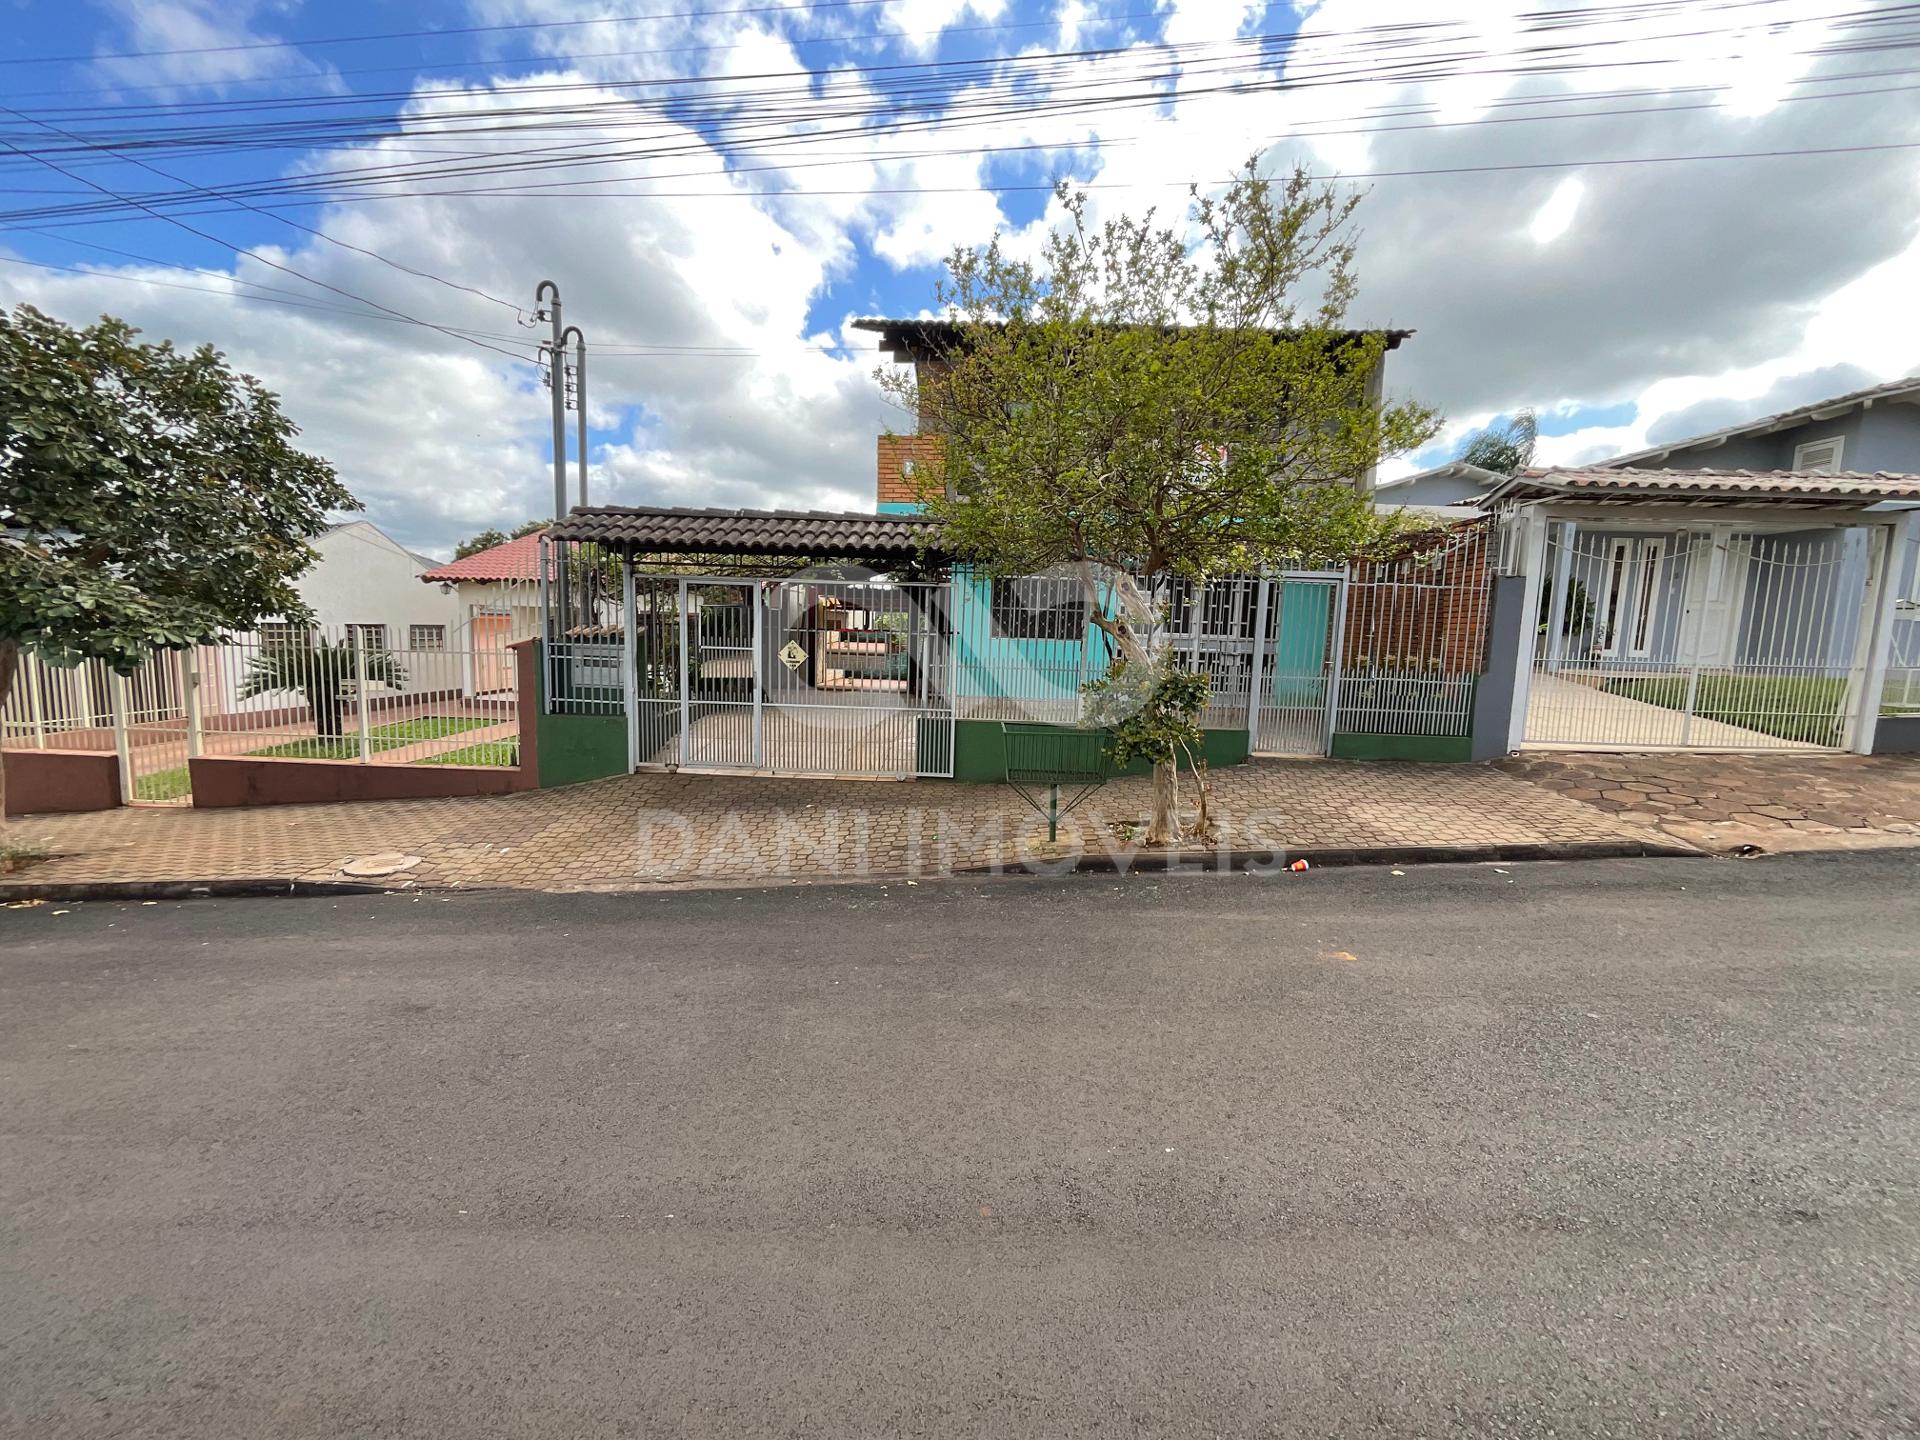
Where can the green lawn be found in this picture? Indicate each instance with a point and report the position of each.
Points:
(1806, 709)
(380, 737)
(163, 785)
(487, 752)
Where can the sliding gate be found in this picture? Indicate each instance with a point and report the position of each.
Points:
(1703, 640)
(805, 677)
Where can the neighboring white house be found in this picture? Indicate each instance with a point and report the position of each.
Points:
(364, 580)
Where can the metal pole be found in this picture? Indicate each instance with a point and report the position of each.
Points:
(360, 690)
(547, 295)
(628, 690)
(1336, 668)
(122, 744)
(580, 401)
(36, 705)
(686, 705)
(759, 718)
(1259, 659)
(190, 682)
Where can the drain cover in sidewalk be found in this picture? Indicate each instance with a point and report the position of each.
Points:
(373, 867)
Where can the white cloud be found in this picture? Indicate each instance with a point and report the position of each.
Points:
(1676, 286)
(1551, 220)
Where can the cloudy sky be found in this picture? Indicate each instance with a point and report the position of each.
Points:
(1643, 219)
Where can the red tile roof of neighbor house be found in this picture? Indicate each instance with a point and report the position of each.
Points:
(515, 560)
(1772, 486)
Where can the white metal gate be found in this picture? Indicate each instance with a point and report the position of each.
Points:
(1704, 640)
(800, 677)
(1295, 675)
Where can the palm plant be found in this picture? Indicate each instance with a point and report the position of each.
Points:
(323, 671)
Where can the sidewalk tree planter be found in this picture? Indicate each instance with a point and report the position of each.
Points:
(152, 498)
(1143, 404)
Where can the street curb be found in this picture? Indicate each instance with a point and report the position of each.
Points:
(179, 889)
(1278, 858)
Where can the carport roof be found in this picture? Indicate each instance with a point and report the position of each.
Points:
(1801, 489)
(810, 534)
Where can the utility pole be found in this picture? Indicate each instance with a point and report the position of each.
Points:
(548, 294)
(579, 397)
(557, 384)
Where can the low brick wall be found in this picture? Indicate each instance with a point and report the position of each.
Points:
(59, 782)
(223, 781)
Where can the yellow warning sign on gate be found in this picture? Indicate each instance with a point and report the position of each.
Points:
(792, 656)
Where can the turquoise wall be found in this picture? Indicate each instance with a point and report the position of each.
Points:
(991, 666)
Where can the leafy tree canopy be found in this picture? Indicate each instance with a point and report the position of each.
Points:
(491, 537)
(1161, 401)
(474, 544)
(1505, 447)
(149, 497)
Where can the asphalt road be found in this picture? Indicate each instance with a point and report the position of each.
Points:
(1626, 1148)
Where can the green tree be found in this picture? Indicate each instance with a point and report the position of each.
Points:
(474, 544)
(149, 497)
(490, 537)
(1144, 403)
(321, 670)
(1505, 447)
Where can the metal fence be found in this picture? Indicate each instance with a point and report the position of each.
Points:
(1391, 646)
(351, 693)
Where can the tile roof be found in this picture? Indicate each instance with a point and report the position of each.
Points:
(1780, 420)
(1772, 486)
(671, 530)
(515, 560)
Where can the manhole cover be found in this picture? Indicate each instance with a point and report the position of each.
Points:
(373, 867)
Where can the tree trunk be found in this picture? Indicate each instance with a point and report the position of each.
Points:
(329, 713)
(1134, 616)
(9, 664)
(1163, 827)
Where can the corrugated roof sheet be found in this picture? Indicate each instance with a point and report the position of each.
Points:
(1786, 487)
(515, 560)
(672, 530)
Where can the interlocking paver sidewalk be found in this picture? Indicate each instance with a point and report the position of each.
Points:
(1724, 802)
(648, 829)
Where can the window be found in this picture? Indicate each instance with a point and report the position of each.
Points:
(373, 637)
(1650, 554)
(1821, 457)
(426, 637)
(279, 635)
(1039, 607)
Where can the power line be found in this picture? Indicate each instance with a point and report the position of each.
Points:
(427, 67)
(985, 111)
(295, 224)
(450, 30)
(271, 264)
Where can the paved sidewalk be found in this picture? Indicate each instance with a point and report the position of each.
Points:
(1721, 803)
(642, 830)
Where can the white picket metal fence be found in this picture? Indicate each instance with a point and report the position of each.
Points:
(437, 695)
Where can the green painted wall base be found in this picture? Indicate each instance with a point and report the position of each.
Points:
(572, 748)
(1429, 748)
(980, 755)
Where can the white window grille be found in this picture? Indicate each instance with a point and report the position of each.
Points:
(426, 637)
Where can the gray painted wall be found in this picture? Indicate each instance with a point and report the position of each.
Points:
(1886, 437)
